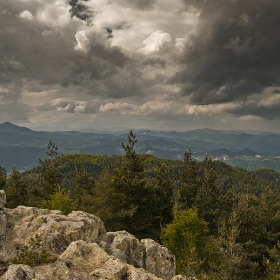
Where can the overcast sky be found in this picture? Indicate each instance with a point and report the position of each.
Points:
(153, 64)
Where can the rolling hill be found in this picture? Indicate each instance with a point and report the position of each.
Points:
(21, 146)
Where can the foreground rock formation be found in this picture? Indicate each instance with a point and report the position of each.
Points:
(79, 246)
(2, 199)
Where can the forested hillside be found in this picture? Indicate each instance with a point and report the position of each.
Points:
(221, 222)
(21, 146)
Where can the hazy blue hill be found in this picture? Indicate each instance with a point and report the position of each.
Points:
(265, 143)
(22, 157)
(248, 153)
(252, 163)
(222, 152)
(159, 143)
(13, 134)
(9, 127)
(227, 153)
(21, 146)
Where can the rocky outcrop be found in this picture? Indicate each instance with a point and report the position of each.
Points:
(158, 259)
(81, 260)
(146, 254)
(55, 231)
(2, 199)
(125, 247)
(81, 246)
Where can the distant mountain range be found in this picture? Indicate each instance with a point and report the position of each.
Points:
(21, 146)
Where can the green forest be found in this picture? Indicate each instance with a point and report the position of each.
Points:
(221, 222)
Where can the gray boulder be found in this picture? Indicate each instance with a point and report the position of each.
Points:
(2, 199)
(125, 247)
(159, 259)
(19, 272)
(81, 247)
(55, 231)
(146, 254)
(81, 260)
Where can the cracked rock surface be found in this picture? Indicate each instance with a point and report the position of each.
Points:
(81, 246)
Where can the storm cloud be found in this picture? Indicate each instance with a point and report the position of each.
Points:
(185, 64)
(232, 53)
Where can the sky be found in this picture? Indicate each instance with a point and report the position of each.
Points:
(140, 64)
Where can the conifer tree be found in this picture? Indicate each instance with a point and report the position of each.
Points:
(233, 259)
(121, 196)
(163, 194)
(82, 192)
(3, 177)
(110, 202)
(257, 212)
(207, 198)
(189, 183)
(49, 177)
(16, 189)
(246, 208)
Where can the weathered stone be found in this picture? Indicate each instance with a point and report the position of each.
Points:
(140, 274)
(179, 277)
(111, 269)
(18, 272)
(81, 261)
(159, 260)
(2, 199)
(56, 231)
(80, 254)
(82, 247)
(125, 247)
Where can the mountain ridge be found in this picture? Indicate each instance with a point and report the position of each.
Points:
(21, 146)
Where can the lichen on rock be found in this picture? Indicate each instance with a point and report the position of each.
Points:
(82, 248)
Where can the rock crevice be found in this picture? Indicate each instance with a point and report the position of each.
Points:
(81, 245)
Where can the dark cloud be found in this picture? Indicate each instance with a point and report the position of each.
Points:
(264, 112)
(197, 4)
(100, 62)
(138, 4)
(109, 33)
(36, 50)
(69, 58)
(232, 53)
(155, 61)
(80, 9)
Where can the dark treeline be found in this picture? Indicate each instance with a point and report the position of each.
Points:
(220, 222)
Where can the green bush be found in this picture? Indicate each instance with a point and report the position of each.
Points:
(32, 254)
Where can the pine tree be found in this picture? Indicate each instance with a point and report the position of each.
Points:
(16, 190)
(163, 194)
(198, 190)
(254, 231)
(189, 183)
(110, 202)
(3, 177)
(207, 197)
(121, 195)
(49, 177)
(233, 261)
(82, 191)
